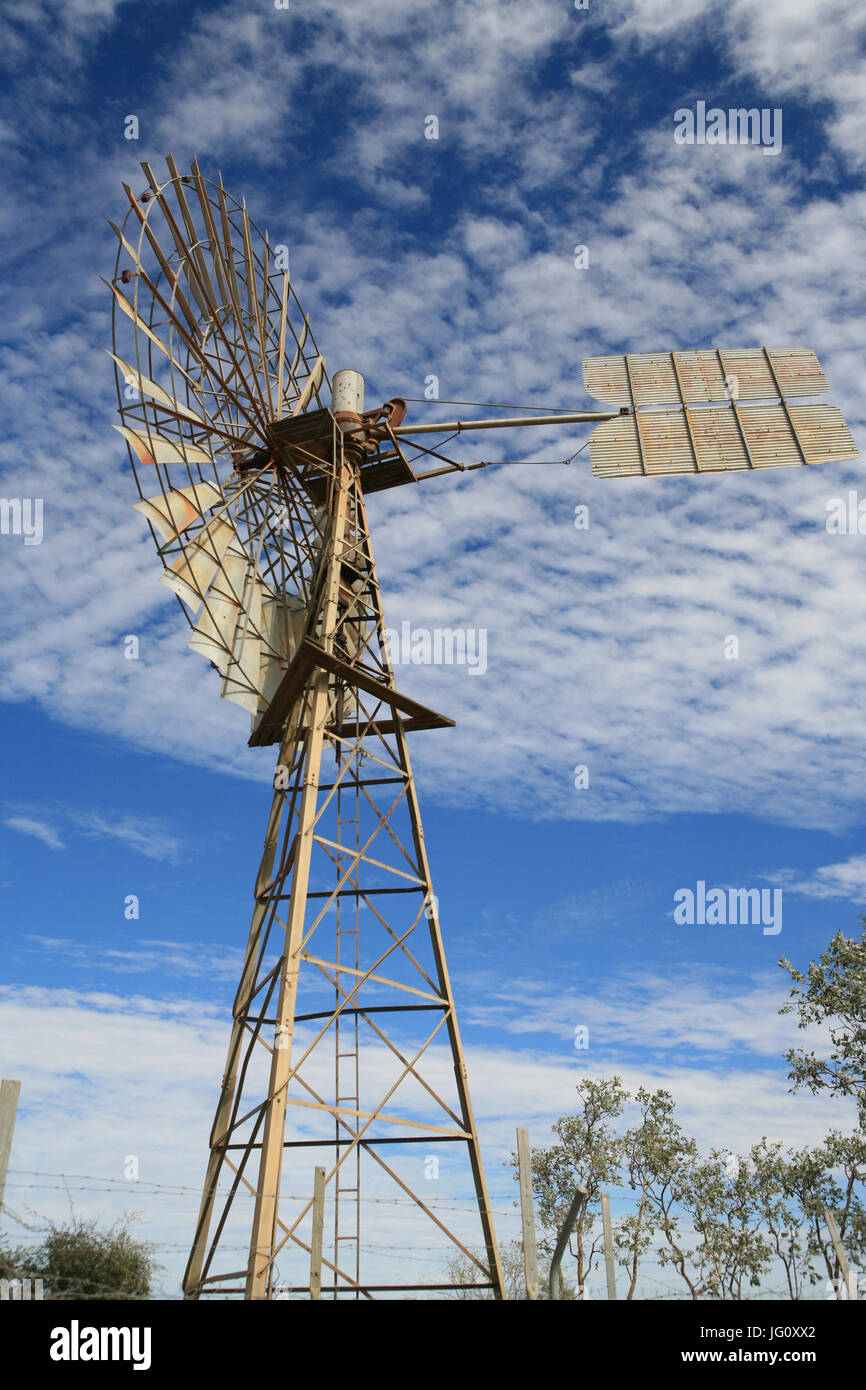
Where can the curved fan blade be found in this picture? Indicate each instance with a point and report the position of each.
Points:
(150, 388)
(283, 624)
(155, 448)
(242, 676)
(192, 572)
(124, 304)
(179, 509)
(213, 633)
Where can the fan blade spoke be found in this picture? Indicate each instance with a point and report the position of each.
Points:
(181, 247)
(194, 240)
(254, 305)
(282, 348)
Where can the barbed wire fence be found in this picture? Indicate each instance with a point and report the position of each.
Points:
(33, 1226)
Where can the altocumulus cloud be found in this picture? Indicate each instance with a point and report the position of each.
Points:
(619, 624)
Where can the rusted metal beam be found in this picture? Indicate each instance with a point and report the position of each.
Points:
(312, 654)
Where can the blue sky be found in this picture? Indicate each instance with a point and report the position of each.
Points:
(606, 646)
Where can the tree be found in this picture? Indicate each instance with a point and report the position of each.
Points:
(80, 1261)
(701, 1215)
(588, 1152)
(15, 1262)
(663, 1158)
(789, 1188)
(842, 1158)
(832, 993)
(644, 1153)
(728, 1216)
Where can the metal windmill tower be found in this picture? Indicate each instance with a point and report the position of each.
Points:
(252, 470)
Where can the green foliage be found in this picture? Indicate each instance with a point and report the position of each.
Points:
(719, 1221)
(80, 1261)
(729, 1251)
(790, 1189)
(715, 1220)
(588, 1152)
(654, 1154)
(15, 1262)
(832, 993)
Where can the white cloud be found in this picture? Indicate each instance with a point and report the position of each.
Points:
(63, 35)
(844, 880)
(199, 959)
(26, 825)
(633, 1014)
(151, 836)
(783, 49)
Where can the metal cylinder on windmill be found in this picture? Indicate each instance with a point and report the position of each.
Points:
(347, 406)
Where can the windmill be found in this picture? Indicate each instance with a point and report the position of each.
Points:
(252, 469)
